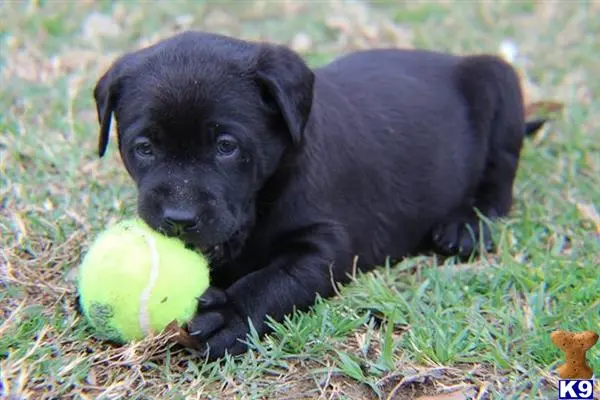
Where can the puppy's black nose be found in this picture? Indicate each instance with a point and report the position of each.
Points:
(180, 219)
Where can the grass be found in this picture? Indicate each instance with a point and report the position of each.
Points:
(423, 327)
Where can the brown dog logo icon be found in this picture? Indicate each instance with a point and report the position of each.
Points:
(575, 346)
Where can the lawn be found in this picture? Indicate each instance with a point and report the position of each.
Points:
(424, 327)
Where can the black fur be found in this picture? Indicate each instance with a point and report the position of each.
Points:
(382, 153)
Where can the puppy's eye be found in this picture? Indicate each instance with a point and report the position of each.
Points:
(143, 149)
(226, 146)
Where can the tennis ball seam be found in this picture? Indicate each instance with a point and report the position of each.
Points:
(144, 300)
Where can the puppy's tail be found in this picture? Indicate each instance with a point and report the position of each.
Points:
(539, 113)
(531, 127)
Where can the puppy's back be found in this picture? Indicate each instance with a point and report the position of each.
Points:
(397, 100)
(394, 66)
(389, 127)
(392, 81)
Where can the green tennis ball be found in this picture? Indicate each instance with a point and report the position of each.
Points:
(133, 282)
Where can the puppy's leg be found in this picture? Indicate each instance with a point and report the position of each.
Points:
(303, 268)
(493, 94)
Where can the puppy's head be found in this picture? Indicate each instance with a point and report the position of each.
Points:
(203, 121)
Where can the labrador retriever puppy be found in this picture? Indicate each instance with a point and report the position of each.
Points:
(285, 175)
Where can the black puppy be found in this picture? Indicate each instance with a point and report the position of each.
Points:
(282, 174)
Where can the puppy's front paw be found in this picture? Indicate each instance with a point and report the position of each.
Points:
(211, 315)
(462, 237)
(217, 325)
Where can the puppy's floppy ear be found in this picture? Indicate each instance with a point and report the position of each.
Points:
(105, 94)
(285, 79)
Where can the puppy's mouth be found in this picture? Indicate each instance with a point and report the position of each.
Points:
(212, 253)
(221, 252)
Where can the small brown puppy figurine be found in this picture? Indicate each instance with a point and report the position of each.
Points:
(574, 345)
